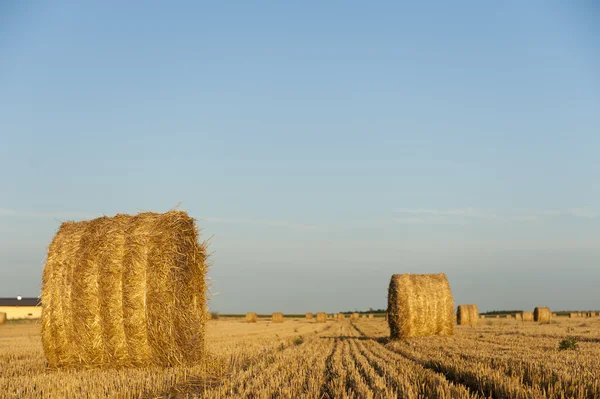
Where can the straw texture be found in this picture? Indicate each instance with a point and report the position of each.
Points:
(309, 316)
(125, 291)
(354, 316)
(277, 317)
(542, 315)
(251, 317)
(467, 315)
(527, 316)
(2, 317)
(420, 305)
(321, 317)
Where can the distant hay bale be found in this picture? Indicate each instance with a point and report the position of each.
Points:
(553, 314)
(482, 317)
(277, 317)
(519, 316)
(497, 316)
(251, 317)
(309, 316)
(341, 316)
(527, 316)
(2, 317)
(542, 315)
(420, 305)
(573, 315)
(467, 315)
(508, 316)
(125, 291)
(354, 316)
(321, 317)
(371, 316)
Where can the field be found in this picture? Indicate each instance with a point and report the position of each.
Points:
(340, 359)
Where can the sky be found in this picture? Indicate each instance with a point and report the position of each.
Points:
(321, 146)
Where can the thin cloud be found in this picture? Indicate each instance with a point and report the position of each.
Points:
(56, 215)
(271, 223)
(435, 215)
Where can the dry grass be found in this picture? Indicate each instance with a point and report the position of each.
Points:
(321, 317)
(125, 291)
(527, 316)
(277, 317)
(420, 305)
(498, 359)
(542, 315)
(467, 315)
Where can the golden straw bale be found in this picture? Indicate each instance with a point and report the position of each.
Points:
(321, 317)
(519, 316)
(125, 291)
(467, 315)
(354, 316)
(251, 317)
(341, 316)
(573, 315)
(420, 305)
(371, 316)
(2, 317)
(309, 316)
(541, 314)
(527, 316)
(508, 316)
(277, 317)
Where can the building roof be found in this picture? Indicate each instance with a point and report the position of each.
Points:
(21, 302)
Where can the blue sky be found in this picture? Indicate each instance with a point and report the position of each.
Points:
(324, 147)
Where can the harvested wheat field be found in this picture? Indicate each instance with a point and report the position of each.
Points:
(499, 358)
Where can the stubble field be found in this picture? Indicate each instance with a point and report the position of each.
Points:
(339, 359)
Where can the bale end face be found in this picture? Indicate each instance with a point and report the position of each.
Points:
(420, 305)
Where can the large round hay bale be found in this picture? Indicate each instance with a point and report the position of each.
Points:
(519, 316)
(542, 315)
(420, 305)
(341, 316)
(354, 316)
(125, 291)
(573, 315)
(277, 317)
(467, 315)
(527, 316)
(309, 316)
(321, 317)
(251, 317)
(371, 316)
(2, 317)
(508, 316)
